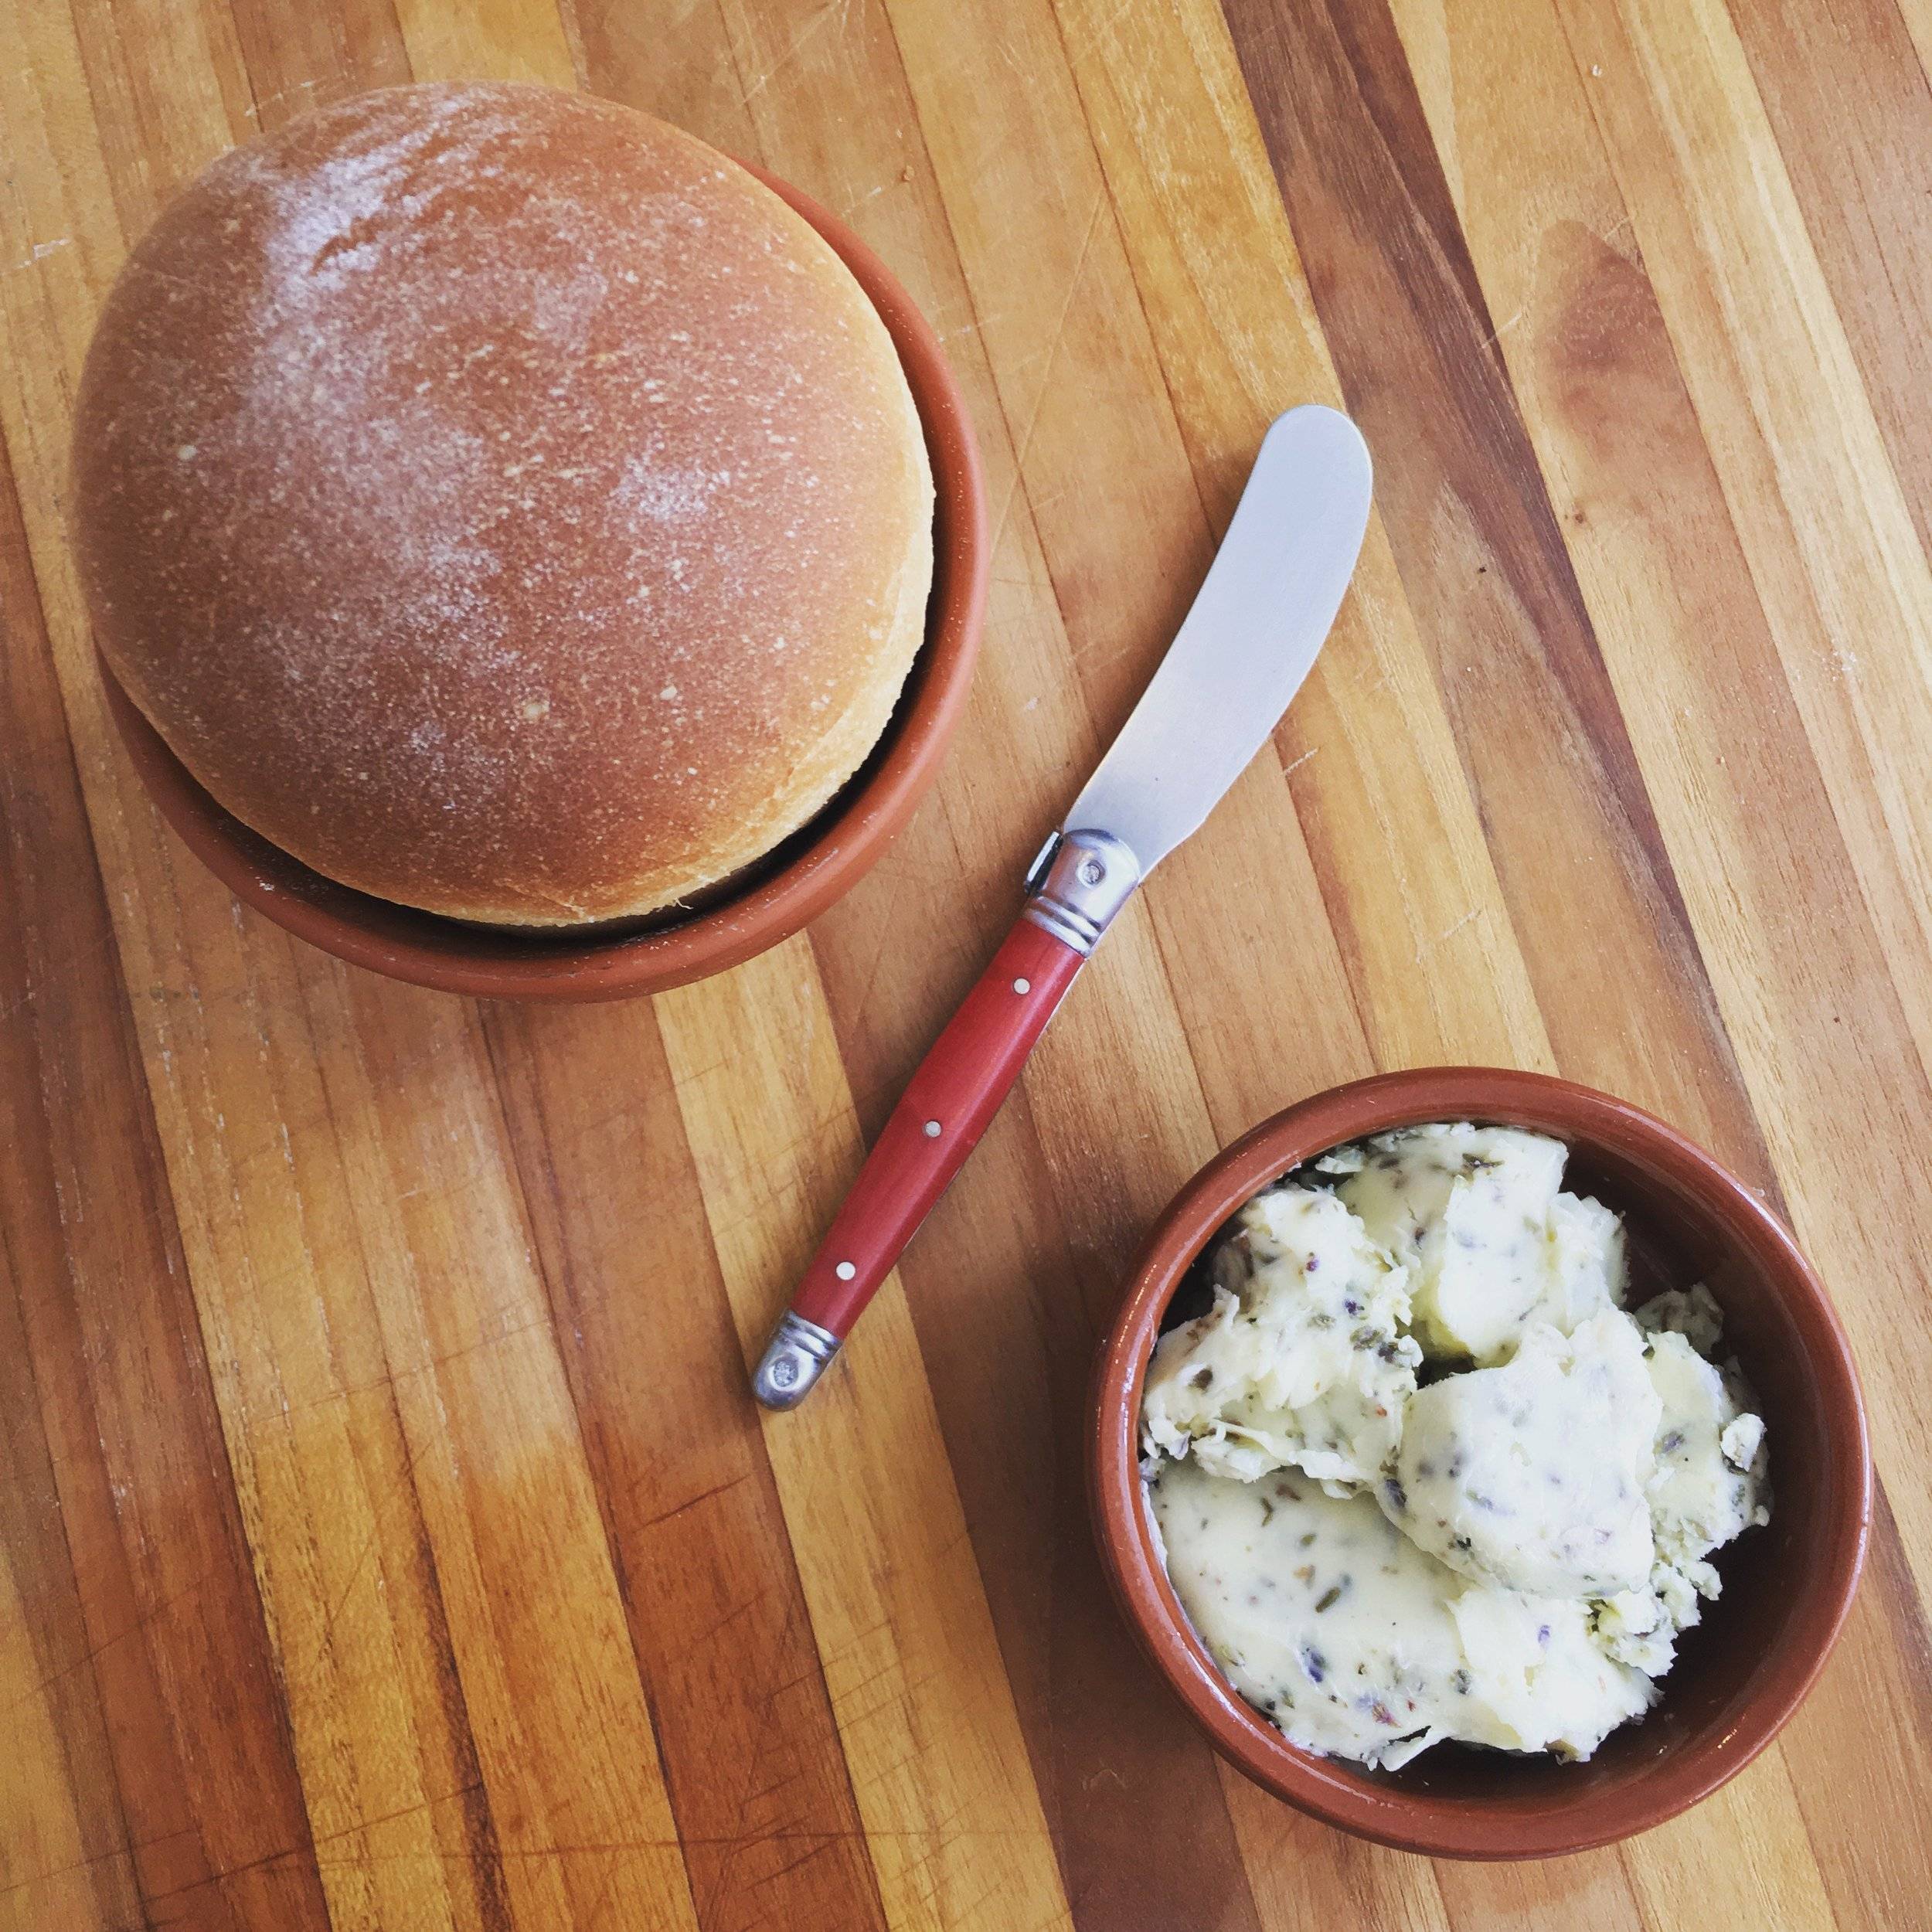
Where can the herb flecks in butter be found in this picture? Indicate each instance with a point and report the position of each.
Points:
(1301, 1362)
(1504, 1556)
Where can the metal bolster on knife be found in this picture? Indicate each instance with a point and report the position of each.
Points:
(1079, 880)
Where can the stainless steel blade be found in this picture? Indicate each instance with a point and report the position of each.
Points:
(1254, 630)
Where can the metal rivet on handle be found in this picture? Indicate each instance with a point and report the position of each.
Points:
(1022, 985)
(932, 1129)
(845, 1270)
(1092, 871)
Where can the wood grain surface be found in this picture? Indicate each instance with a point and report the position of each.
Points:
(386, 1540)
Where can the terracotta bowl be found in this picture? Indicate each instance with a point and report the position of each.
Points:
(1739, 1676)
(755, 911)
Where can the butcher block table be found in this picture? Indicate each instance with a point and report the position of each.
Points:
(386, 1537)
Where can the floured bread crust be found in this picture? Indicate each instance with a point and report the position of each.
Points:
(501, 501)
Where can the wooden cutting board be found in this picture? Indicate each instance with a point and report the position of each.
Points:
(386, 1539)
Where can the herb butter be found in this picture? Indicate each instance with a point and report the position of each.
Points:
(1707, 1482)
(1358, 1644)
(1491, 1244)
(1384, 1546)
(1532, 1474)
(1301, 1362)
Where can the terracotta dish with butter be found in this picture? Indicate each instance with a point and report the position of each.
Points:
(1740, 1673)
(498, 507)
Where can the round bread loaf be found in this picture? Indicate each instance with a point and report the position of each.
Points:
(501, 501)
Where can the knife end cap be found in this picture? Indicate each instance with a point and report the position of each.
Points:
(794, 1359)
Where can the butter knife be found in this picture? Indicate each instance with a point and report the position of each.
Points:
(1254, 630)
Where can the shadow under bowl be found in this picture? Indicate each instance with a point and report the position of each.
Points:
(1739, 1676)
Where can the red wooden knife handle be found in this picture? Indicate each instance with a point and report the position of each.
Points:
(1080, 881)
(938, 1121)
(946, 1107)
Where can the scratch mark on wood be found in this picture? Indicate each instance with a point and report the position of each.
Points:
(1429, 945)
(841, 8)
(1046, 373)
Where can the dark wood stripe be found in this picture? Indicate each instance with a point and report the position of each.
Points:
(34, 1539)
(197, 1726)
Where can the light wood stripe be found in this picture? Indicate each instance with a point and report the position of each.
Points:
(1917, 16)
(1585, 309)
(1629, 552)
(1593, 1890)
(1368, 744)
(1794, 438)
(1739, 1862)
(1851, 114)
(1768, 1776)
(1835, 564)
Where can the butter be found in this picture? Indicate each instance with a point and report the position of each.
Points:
(1691, 1312)
(1491, 1245)
(1545, 1681)
(1589, 1266)
(1300, 1363)
(1532, 1475)
(1356, 1644)
(1505, 1557)
(1322, 1615)
(1707, 1484)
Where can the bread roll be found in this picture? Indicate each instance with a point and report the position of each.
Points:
(501, 501)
